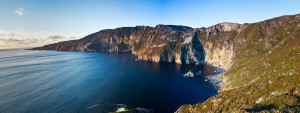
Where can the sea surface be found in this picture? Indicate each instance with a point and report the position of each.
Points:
(50, 81)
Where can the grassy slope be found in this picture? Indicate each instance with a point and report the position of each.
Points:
(265, 75)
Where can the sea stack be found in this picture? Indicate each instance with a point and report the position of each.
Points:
(189, 74)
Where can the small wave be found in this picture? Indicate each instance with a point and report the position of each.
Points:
(93, 106)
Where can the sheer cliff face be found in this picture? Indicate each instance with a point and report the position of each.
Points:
(163, 43)
(218, 43)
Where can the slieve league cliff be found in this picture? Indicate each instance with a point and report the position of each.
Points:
(262, 59)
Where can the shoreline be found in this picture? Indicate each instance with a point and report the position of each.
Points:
(215, 79)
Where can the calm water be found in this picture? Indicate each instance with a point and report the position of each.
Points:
(50, 81)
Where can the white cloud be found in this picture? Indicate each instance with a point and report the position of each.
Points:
(20, 38)
(20, 11)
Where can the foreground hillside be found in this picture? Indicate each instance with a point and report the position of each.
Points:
(262, 59)
(265, 74)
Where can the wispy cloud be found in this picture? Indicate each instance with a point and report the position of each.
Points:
(56, 37)
(20, 11)
(20, 38)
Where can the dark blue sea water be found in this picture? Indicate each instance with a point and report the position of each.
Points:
(50, 81)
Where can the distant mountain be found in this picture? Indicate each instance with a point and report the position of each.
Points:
(262, 59)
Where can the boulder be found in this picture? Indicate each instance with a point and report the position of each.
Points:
(198, 73)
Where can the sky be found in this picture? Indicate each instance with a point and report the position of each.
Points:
(32, 23)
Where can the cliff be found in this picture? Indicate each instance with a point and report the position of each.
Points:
(264, 73)
(262, 58)
(163, 43)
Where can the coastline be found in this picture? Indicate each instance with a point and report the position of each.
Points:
(215, 79)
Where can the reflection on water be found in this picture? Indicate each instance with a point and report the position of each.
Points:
(50, 81)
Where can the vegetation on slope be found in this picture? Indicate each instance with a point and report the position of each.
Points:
(265, 74)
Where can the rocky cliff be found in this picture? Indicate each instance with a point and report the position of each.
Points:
(262, 58)
(163, 43)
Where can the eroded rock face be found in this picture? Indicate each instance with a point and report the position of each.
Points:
(163, 43)
(218, 43)
(221, 56)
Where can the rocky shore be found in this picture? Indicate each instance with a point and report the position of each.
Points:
(215, 78)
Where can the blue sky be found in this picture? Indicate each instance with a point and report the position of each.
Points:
(77, 18)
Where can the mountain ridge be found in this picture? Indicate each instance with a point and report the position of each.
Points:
(125, 38)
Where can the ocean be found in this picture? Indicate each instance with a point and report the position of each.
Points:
(51, 81)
